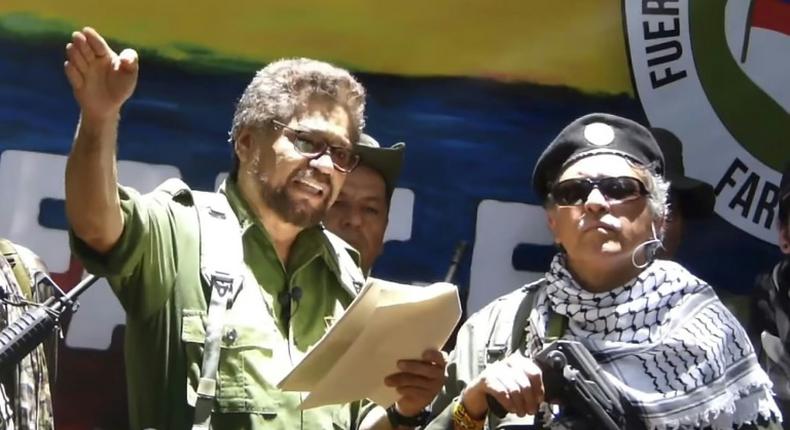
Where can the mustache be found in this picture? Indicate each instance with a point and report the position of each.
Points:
(314, 175)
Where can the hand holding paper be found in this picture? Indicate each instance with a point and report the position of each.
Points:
(387, 322)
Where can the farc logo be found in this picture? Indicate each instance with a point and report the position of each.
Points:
(716, 73)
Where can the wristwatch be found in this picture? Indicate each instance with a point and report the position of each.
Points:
(396, 419)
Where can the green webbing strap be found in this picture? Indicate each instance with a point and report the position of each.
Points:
(18, 267)
(558, 324)
(221, 265)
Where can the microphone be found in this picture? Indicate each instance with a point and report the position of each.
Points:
(650, 249)
(285, 298)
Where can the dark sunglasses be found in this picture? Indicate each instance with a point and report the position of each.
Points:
(344, 160)
(571, 192)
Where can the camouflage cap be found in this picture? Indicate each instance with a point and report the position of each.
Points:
(386, 161)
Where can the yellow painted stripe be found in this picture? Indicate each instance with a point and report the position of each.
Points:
(577, 43)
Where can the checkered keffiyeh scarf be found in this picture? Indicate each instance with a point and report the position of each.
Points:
(679, 357)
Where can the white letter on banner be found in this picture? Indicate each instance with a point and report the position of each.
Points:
(401, 215)
(43, 178)
(28, 178)
(501, 226)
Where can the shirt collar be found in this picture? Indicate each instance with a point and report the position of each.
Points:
(309, 243)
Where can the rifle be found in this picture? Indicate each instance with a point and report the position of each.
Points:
(572, 378)
(455, 261)
(25, 333)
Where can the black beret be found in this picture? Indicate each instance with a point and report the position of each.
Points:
(592, 134)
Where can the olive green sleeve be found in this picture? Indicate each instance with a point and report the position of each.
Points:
(141, 267)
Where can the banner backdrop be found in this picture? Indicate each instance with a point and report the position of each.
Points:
(476, 90)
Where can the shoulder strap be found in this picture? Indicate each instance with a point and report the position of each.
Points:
(509, 321)
(221, 266)
(351, 276)
(522, 315)
(18, 267)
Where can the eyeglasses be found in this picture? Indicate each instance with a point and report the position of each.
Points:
(344, 160)
(571, 192)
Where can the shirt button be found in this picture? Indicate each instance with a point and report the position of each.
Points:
(230, 336)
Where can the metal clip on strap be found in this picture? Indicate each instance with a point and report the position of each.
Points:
(221, 262)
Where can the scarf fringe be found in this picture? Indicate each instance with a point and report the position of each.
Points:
(763, 407)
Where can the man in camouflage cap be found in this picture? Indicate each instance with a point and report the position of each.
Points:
(361, 212)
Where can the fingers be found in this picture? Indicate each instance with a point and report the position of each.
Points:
(97, 43)
(75, 77)
(407, 380)
(80, 42)
(425, 369)
(435, 356)
(74, 55)
(516, 384)
(536, 382)
(508, 393)
(128, 60)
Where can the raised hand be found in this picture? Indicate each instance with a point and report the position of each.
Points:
(101, 79)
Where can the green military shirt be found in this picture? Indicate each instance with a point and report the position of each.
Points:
(154, 269)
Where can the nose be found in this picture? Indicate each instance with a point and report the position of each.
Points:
(353, 218)
(596, 202)
(323, 163)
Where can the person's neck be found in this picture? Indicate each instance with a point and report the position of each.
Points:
(598, 277)
(282, 233)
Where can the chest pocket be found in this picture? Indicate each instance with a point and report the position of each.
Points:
(251, 356)
(254, 356)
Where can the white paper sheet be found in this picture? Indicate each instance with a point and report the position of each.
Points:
(387, 322)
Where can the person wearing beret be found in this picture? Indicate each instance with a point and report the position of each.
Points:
(771, 306)
(675, 354)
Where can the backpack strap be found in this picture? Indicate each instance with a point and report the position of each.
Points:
(509, 321)
(521, 320)
(222, 268)
(351, 277)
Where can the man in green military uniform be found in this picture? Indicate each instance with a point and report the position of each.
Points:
(215, 315)
(25, 398)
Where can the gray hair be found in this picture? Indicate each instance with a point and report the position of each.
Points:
(282, 90)
(657, 194)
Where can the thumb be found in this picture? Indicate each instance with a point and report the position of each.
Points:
(128, 61)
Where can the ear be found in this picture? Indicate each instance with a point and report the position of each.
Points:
(551, 221)
(243, 145)
(784, 239)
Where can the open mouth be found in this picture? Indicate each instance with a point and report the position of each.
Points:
(310, 186)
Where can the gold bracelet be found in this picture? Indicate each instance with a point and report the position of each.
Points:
(463, 420)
